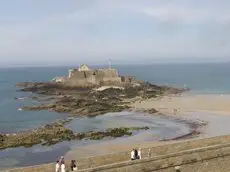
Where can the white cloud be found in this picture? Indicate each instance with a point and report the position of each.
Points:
(120, 28)
(188, 15)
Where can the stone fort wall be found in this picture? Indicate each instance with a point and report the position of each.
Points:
(94, 77)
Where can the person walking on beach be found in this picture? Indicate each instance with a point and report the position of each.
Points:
(57, 167)
(133, 155)
(73, 165)
(63, 167)
(60, 166)
(139, 153)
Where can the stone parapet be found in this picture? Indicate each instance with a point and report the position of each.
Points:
(185, 159)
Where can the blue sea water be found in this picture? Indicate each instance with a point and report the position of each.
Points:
(206, 78)
(12, 120)
(201, 78)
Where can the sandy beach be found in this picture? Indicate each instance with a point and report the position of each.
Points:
(214, 109)
(209, 103)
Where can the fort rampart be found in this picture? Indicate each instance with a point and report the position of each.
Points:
(84, 76)
(94, 77)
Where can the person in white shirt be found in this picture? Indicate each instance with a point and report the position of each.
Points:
(63, 167)
(133, 155)
(139, 153)
(57, 167)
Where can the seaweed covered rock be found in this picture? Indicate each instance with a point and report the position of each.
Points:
(80, 107)
(46, 135)
(92, 102)
(56, 132)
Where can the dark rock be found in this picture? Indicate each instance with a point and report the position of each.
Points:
(56, 132)
(152, 111)
(92, 103)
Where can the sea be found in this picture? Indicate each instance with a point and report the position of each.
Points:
(205, 78)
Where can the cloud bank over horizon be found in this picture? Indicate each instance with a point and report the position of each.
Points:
(58, 31)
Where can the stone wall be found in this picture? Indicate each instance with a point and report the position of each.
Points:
(107, 75)
(82, 78)
(157, 151)
(94, 77)
(219, 164)
(168, 148)
(204, 159)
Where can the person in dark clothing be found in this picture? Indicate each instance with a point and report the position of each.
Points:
(73, 165)
(136, 154)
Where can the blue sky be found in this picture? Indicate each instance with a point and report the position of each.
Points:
(75, 31)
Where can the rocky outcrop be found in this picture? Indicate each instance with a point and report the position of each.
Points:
(80, 106)
(49, 88)
(57, 132)
(46, 135)
(90, 102)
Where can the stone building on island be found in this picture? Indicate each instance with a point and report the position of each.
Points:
(85, 76)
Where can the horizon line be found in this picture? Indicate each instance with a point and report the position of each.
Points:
(114, 64)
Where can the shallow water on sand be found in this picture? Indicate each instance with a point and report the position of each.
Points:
(218, 124)
(160, 128)
(159, 125)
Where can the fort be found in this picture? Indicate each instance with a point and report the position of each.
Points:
(84, 76)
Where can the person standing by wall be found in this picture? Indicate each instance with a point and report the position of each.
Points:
(73, 165)
(63, 167)
(139, 153)
(57, 167)
(133, 155)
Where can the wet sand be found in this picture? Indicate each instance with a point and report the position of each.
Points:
(161, 128)
(213, 109)
(211, 103)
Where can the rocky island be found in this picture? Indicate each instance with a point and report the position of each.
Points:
(84, 92)
(92, 92)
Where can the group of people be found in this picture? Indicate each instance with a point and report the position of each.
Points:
(136, 154)
(60, 165)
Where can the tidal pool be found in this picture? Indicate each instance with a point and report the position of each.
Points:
(160, 128)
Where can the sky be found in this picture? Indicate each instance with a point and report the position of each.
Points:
(127, 31)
